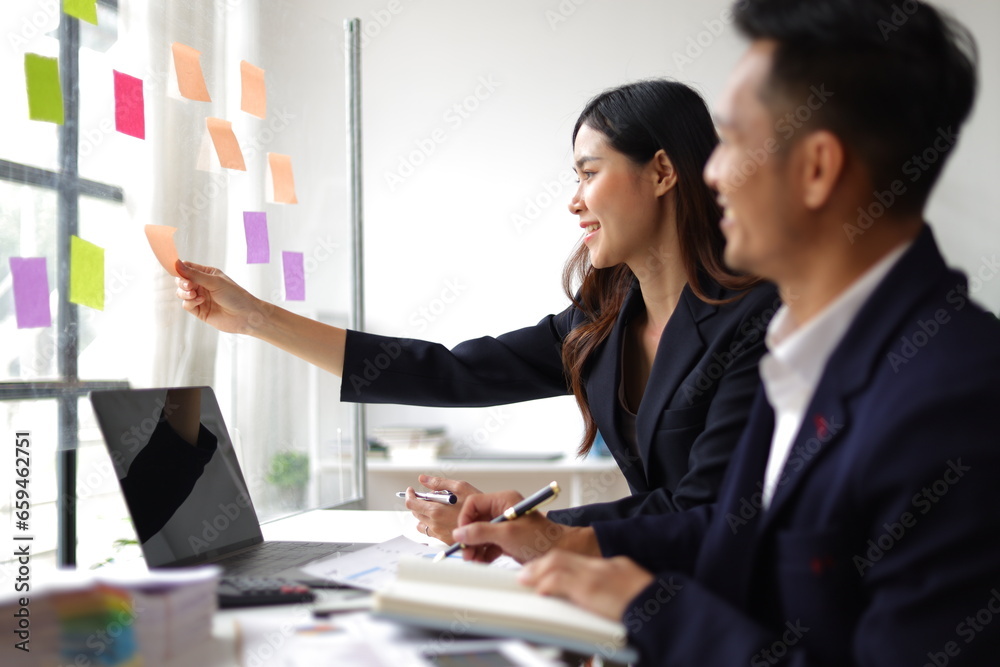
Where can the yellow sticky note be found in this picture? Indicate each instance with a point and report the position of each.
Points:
(282, 181)
(86, 273)
(226, 146)
(85, 10)
(254, 98)
(161, 240)
(45, 100)
(190, 79)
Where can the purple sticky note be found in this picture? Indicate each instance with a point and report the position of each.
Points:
(295, 275)
(31, 292)
(255, 226)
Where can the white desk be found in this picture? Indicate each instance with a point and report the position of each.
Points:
(321, 526)
(592, 480)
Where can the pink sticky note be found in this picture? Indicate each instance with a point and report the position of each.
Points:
(161, 240)
(31, 292)
(130, 114)
(255, 226)
(293, 264)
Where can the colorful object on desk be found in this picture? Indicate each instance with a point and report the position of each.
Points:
(255, 228)
(86, 273)
(293, 265)
(226, 146)
(130, 112)
(45, 100)
(83, 614)
(282, 181)
(161, 240)
(31, 292)
(85, 10)
(190, 79)
(254, 91)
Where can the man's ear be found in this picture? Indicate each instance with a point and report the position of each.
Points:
(664, 173)
(822, 167)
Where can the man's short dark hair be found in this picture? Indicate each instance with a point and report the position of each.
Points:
(901, 77)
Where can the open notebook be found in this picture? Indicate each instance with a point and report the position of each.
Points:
(477, 599)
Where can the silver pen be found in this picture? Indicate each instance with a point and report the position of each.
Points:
(445, 497)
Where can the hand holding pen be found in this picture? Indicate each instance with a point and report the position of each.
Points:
(436, 514)
(512, 525)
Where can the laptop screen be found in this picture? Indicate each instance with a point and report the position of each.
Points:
(178, 472)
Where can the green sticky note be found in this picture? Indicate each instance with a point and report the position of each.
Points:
(45, 101)
(86, 273)
(85, 10)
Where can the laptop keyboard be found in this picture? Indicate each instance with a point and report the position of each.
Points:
(276, 556)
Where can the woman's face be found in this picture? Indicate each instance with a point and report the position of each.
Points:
(616, 201)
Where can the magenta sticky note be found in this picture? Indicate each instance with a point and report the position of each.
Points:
(31, 292)
(293, 264)
(255, 226)
(130, 113)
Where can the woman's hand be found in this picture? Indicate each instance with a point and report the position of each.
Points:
(437, 519)
(604, 586)
(213, 297)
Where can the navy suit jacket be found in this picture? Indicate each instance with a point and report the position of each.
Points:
(694, 408)
(882, 543)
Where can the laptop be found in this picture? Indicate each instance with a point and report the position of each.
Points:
(185, 490)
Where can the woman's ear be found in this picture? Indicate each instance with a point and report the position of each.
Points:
(664, 174)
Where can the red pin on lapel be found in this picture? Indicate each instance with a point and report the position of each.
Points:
(822, 428)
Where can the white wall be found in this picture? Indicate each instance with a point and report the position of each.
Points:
(453, 219)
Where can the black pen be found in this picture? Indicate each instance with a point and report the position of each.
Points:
(529, 504)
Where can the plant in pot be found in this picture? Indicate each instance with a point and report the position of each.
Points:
(289, 475)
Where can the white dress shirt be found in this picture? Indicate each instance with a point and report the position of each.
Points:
(796, 358)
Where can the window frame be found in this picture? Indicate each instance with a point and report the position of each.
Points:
(69, 187)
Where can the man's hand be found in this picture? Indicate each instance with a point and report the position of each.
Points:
(604, 586)
(437, 519)
(523, 539)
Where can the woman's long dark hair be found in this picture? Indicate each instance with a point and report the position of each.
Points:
(639, 119)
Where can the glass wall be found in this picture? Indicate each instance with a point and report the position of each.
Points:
(295, 440)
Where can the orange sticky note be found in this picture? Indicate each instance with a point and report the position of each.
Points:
(226, 146)
(190, 80)
(282, 182)
(254, 98)
(161, 240)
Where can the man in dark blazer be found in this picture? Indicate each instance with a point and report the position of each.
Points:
(858, 523)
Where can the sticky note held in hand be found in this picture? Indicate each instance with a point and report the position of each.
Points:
(161, 240)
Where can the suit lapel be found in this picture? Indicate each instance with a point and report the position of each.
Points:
(602, 392)
(681, 346)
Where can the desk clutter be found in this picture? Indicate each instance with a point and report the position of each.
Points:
(112, 619)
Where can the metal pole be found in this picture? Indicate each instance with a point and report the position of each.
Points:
(352, 34)
(68, 320)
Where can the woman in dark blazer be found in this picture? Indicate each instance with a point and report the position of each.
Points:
(659, 345)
